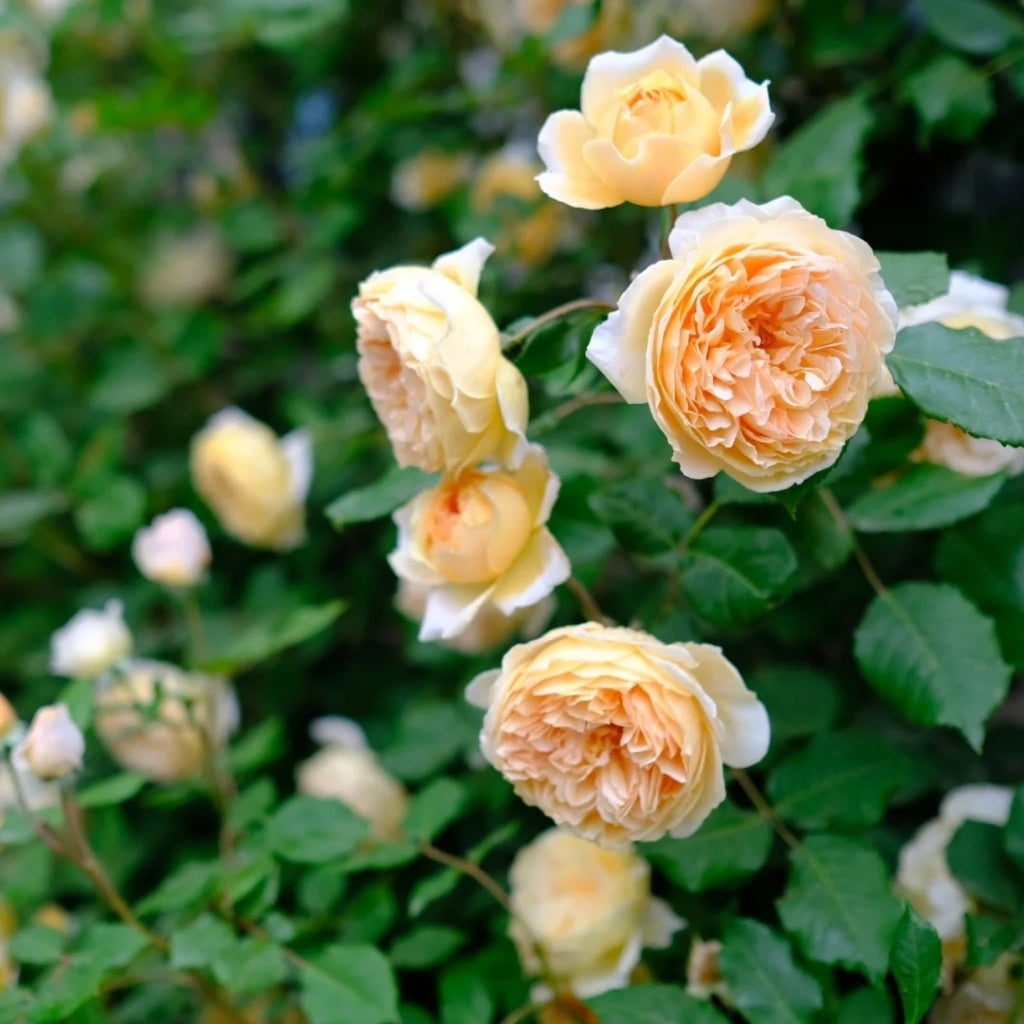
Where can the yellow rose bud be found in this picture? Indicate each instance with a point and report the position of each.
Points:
(161, 722)
(615, 735)
(479, 540)
(255, 482)
(655, 127)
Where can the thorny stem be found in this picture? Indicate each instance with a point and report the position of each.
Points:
(551, 315)
(590, 607)
(764, 808)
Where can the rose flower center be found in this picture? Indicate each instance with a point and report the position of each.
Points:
(664, 104)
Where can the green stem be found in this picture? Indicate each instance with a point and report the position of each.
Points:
(698, 527)
(551, 316)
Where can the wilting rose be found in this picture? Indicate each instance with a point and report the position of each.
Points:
(987, 996)
(616, 735)
(923, 875)
(970, 302)
(588, 909)
(430, 360)
(54, 746)
(479, 539)
(655, 127)
(255, 482)
(90, 642)
(173, 549)
(488, 629)
(162, 722)
(346, 769)
(757, 345)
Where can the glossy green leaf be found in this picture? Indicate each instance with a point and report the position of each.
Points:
(916, 961)
(977, 859)
(974, 26)
(349, 985)
(379, 499)
(653, 1004)
(914, 277)
(311, 831)
(646, 515)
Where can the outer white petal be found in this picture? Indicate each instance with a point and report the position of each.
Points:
(618, 347)
(617, 977)
(984, 803)
(541, 567)
(297, 448)
(660, 923)
(478, 692)
(450, 609)
(464, 265)
(336, 731)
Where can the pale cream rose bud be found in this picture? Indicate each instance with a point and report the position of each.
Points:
(255, 482)
(346, 769)
(616, 735)
(54, 745)
(588, 909)
(757, 345)
(655, 127)
(988, 995)
(186, 270)
(162, 722)
(173, 549)
(479, 540)
(970, 302)
(90, 642)
(430, 360)
(428, 178)
(923, 875)
(489, 628)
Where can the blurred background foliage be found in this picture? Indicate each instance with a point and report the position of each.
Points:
(186, 231)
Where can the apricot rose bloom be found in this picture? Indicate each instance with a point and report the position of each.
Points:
(589, 909)
(430, 360)
(616, 735)
(478, 540)
(654, 127)
(757, 345)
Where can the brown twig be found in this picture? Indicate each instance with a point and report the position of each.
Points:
(554, 314)
(467, 867)
(587, 603)
(870, 574)
(765, 809)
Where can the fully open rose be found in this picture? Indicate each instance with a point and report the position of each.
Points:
(757, 345)
(616, 735)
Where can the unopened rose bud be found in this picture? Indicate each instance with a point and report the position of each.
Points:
(54, 745)
(90, 642)
(173, 549)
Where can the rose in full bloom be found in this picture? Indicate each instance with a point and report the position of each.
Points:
(923, 875)
(346, 769)
(90, 642)
(654, 127)
(757, 345)
(970, 302)
(254, 481)
(588, 909)
(616, 735)
(479, 539)
(162, 722)
(430, 360)
(488, 629)
(173, 549)
(54, 746)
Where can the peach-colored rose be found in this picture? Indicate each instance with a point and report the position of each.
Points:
(488, 629)
(655, 127)
(970, 302)
(757, 345)
(430, 360)
(479, 539)
(588, 909)
(616, 735)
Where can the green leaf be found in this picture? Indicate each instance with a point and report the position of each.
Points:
(965, 377)
(349, 985)
(973, 26)
(918, 644)
(924, 498)
(800, 701)
(465, 997)
(1013, 835)
(765, 983)
(433, 809)
(866, 1005)
(378, 499)
(426, 945)
(653, 1004)
(839, 906)
(250, 966)
(646, 515)
(844, 779)
(820, 163)
(731, 845)
(430, 734)
(733, 574)
(988, 938)
(310, 830)
(914, 277)
(21, 510)
(916, 961)
(190, 884)
(115, 790)
(200, 942)
(113, 510)
(952, 98)
(111, 947)
(264, 639)
(37, 944)
(976, 857)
